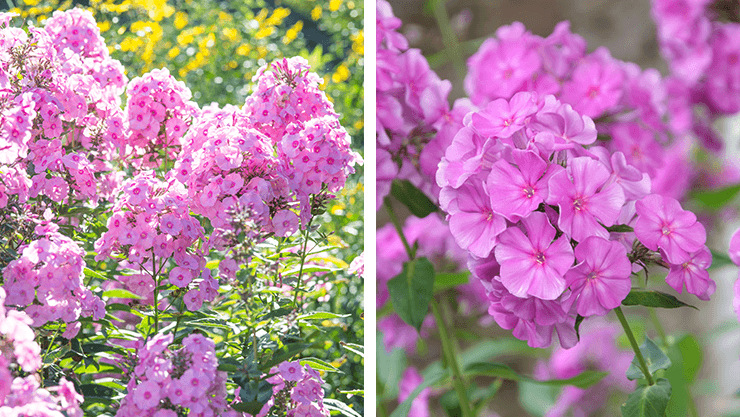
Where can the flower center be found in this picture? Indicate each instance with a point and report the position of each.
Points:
(528, 192)
(539, 257)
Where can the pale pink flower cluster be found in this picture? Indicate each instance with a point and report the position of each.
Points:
(47, 279)
(283, 146)
(167, 383)
(151, 225)
(24, 396)
(159, 112)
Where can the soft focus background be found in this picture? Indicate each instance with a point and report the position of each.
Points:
(216, 47)
(626, 28)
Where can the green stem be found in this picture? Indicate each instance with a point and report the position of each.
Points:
(399, 229)
(633, 342)
(658, 326)
(448, 350)
(452, 47)
(303, 261)
(156, 294)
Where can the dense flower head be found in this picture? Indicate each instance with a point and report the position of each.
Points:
(153, 229)
(165, 379)
(47, 280)
(296, 392)
(19, 351)
(159, 112)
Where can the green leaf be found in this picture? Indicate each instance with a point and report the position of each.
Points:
(648, 400)
(282, 356)
(579, 320)
(97, 393)
(319, 365)
(654, 357)
(404, 408)
(121, 293)
(716, 199)
(411, 291)
(719, 259)
(647, 298)
(353, 392)
(445, 281)
(686, 357)
(92, 274)
(358, 349)
(620, 228)
(336, 405)
(583, 380)
(322, 315)
(417, 202)
(275, 313)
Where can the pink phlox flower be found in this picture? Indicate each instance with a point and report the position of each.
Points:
(595, 85)
(694, 275)
(517, 191)
(193, 299)
(635, 184)
(410, 379)
(503, 118)
(563, 128)
(585, 201)
(473, 223)
(601, 280)
(285, 223)
(663, 224)
(532, 263)
(291, 371)
(147, 395)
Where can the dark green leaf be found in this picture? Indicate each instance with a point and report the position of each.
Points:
(284, 355)
(411, 291)
(322, 315)
(647, 298)
(254, 395)
(654, 357)
(275, 313)
(686, 357)
(445, 281)
(579, 320)
(97, 393)
(620, 228)
(720, 259)
(716, 199)
(417, 202)
(648, 400)
(336, 405)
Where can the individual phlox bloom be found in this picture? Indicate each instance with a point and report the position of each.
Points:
(291, 371)
(582, 200)
(147, 395)
(193, 299)
(517, 191)
(180, 277)
(285, 223)
(563, 128)
(532, 263)
(601, 280)
(694, 275)
(503, 118)
(306, 410)
(662, 223)
(635, 184)
(473, 224)
(595, 85)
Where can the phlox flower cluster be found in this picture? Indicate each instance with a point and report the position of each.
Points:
(533, 204)
(23, 395)
(596, 351)
(282, 147)
(47, 281)
(435, 242)
(296, 392)
(60, 102)
(168, 383)
(151, 225)
(159, 112)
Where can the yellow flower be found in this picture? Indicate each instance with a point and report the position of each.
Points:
(334, 5)
(31, 2)
(341, 74)
(173, 52)
(230, 34)
(223, 16)
(181, 19)
(359, 124)
(104, 26)
(264, 32)
(277, 16)
(261, 15)
(131, 44)
(358, 44)
(316, 13)
(243, 49)
(292, 33)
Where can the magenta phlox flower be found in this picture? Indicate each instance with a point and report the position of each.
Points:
(398, 334)
(468, 154)
(408, 383)
(723, 75)
(663, 224)
(601, 280)
(694, 275)
(517, 191)
(291, 371)
(595, 85)
(532, 263)
(635, 184)
(638, 145)
(473, 223)
(503, 64)
(584, 198)
(734, 251)
(563, 128)
(562, 50)
(502, 117)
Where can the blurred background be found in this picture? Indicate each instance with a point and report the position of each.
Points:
(626, 28)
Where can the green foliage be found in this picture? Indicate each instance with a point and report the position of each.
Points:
(647, 298)
(654, 358)
(411, 291)
(648, 400)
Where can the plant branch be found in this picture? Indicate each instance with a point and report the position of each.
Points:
(633, 342)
